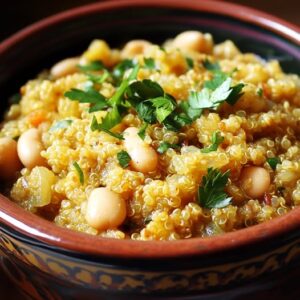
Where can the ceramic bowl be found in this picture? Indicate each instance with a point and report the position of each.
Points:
(48, 262)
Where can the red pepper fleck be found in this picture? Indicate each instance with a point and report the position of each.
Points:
(267, 198)
(266, 90)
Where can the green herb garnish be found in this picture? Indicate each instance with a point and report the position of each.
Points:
(149, 63)
(189, 62)
(95, 78)
(211, 97)
(273, 162)
(124, 159)
(164, 106)
(97, 100)
(142, 131)
(164, 146)
(114, 117)
(121, 68)
(111, 119)
(259, 92)
(216, 140)
(61, 125)
(79, 171)
(211, 66)
(211, 192)
(236, 93)
(96, 65)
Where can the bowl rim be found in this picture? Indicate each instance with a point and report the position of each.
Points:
(42, 230)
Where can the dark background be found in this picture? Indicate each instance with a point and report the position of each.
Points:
(15, 14)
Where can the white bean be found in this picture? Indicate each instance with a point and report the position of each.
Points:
(30, 147)
(64, 67)
(194, 41)
(9, 160)
(143, 157)
(105, 209)
(134, 48)
(255, 181)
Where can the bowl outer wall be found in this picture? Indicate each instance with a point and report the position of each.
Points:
(42, 230)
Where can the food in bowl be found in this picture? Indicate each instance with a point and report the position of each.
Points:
(149, 142)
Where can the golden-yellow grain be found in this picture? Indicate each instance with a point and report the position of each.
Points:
(162, 204)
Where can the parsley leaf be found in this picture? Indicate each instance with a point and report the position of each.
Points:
(192, 113)
(211, 66)
(189, 62)
(164, 106)
(164, 146)
(121, 68)
(145, 89)
(117, 97)
(273, 162)
(149, 63)
(98, 78)
(208, 98)
(211, 193)
(89, 96)
(79, 171)
(61, 125)
(146, 112)
(235, 93)
(111, 119)
(216, 140)
(218, 79)
(259, 92)
(96, 65)
(142, 131)
(124, 159)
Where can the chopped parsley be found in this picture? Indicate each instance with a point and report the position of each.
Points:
(111, 119)
(211, 192)
(189, 62)
(259, 92)
(149, 63)
(96, 65)
(121, 68)
(211, 66)
(142, 131)
(61, 125)
(114, 117)
(151, 103)
(273, 162)
(97, 100)
(79, 171)
(95, 78)
(124, 159)
(164, 106)
(215, 92)
(216, 140)
(164, 146)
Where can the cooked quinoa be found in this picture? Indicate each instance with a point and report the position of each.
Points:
(143, 179)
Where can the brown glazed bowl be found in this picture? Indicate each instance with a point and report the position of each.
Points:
(49, 262)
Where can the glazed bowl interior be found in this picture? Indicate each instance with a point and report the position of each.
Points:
(68, 34)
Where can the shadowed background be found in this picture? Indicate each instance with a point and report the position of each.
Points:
(15, 14)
